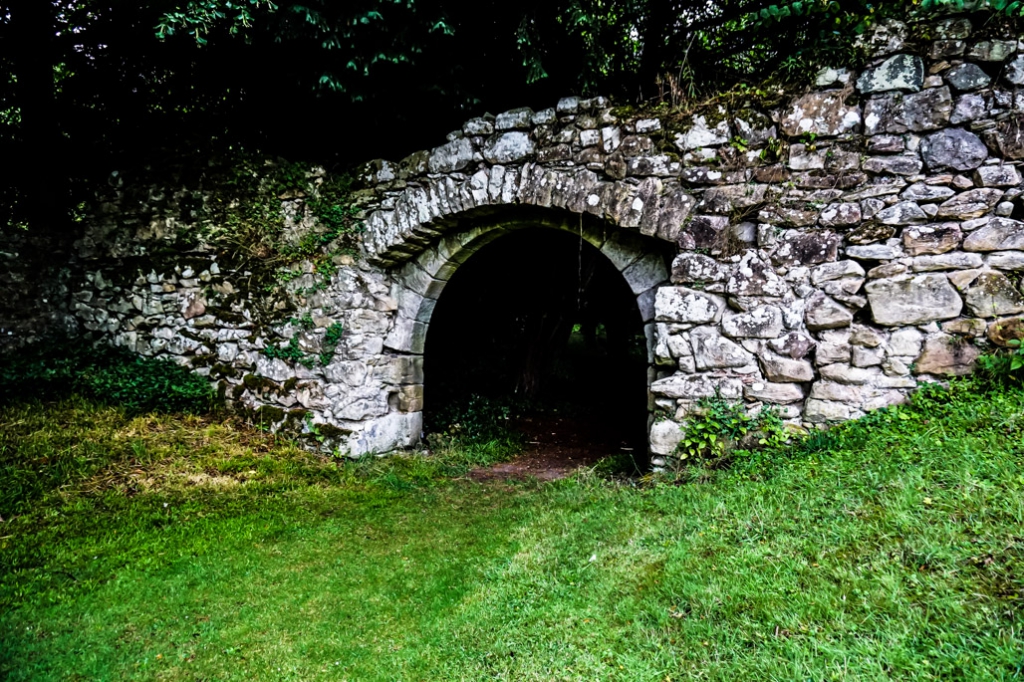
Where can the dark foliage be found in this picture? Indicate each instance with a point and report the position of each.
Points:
(112, 376)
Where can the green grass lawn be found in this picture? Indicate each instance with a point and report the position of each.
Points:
(174, 548)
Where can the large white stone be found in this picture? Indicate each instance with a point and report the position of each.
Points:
(903, 301)
(686, 306)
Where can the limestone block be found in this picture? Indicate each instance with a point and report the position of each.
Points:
(828, 272)
(703, 232)
(713, 351)
(755, 277)
(1014, 71)
(820, 113)
(780, 369)
(902, 301)
(822, 411)
(899, 72)
(695, 387)
(842, 215)
(831, 390)
(905, 342)
(688, 268)
(998, 175)
(953, 149)
(902, 164)
(932, 239)
(883, 399)
(703, 134)
(946, 261)
(970, 204)
(453, 156)
(998, 234)
(657, 165)
(406, 336)
(967, 76)
(903, 213)
(992, 294)
(806, 248)
(507, 148)
(646, 273)
(886, 144)
(1006, 260)
(778, 394)
(728, 198)
(922, 192)
(687, 306)
(893, 113)
(970, 326)
(865, 337)
(349, 373)
(870, 232)
(890, 250)
(867, 357)
(794, 345)
(848, 374)
(1001, 332)
(821, 312)
(946, 355)
(477, 127)
(387, 434)
(665, 436)
(969, 107)
(764, 322)
(992, 50)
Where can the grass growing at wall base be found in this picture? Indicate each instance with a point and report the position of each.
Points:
(889, 550)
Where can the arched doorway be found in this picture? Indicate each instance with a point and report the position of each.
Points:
(540, 323)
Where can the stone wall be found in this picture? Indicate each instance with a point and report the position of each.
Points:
(826, 250)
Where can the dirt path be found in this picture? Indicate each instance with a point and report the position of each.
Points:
(557, 446)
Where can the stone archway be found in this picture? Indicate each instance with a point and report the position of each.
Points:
(641, 261)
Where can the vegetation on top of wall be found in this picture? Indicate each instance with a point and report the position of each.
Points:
(267, 215)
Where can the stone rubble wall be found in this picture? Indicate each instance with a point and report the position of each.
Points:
(828, 251)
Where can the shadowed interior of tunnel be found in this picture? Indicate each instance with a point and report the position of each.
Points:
(539, 325)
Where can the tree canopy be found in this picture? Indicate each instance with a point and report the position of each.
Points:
(95, 85)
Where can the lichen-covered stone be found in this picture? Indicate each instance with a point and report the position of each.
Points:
(932, 239)
(703, 134)
(508, 148)
(973, 203)
(780, 369)
(711, 350)
(998, 175)
(1003, 332)
(992, 294)
(1000, 234)
(755, 277)
(764, 322)
(820, 113)
(690, 268)
(946, 355)
(967, 77)
(893, 113)
(821, 312)
(954, 149)
(912, 300)
(900, 72)
(682, 305)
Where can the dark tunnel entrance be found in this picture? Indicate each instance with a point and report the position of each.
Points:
(539, 325)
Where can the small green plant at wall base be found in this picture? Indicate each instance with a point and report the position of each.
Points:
(719, 426)
(1004, 366)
